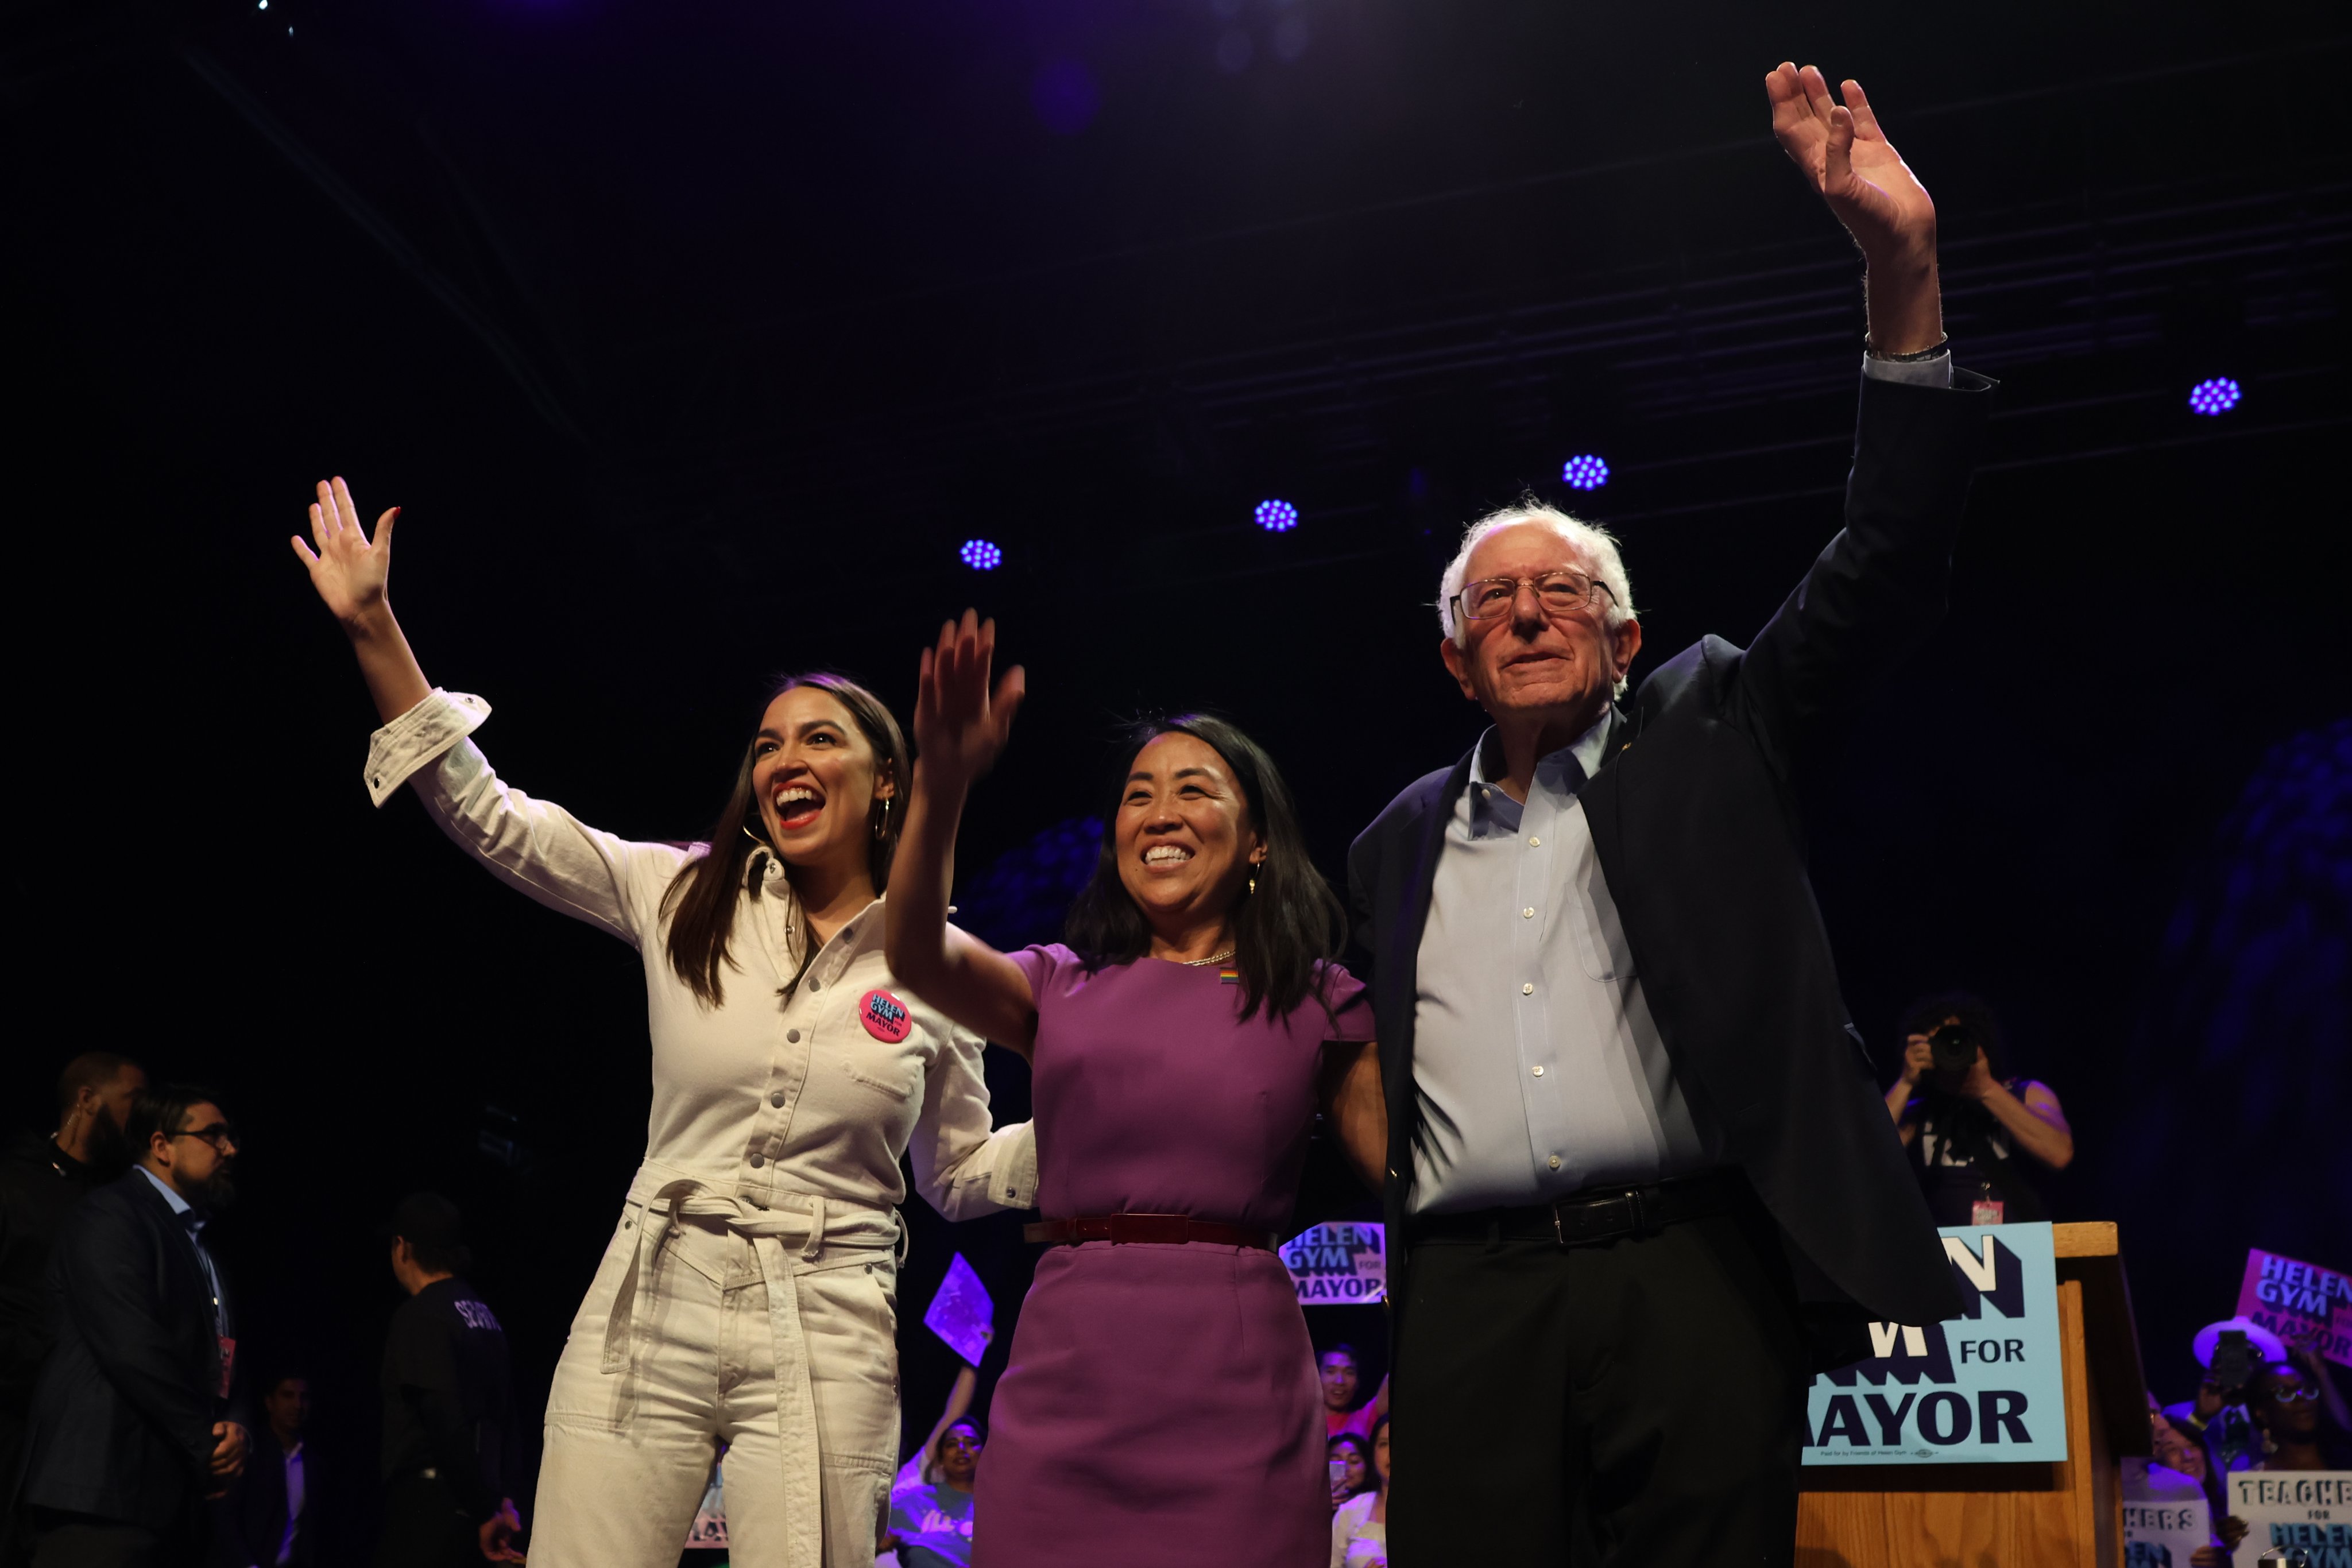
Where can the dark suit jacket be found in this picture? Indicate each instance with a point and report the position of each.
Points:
(1694, 820)
(249, 1524)
(123, 1414)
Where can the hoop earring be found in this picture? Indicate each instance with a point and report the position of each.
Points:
(882, 827)
(757, 840)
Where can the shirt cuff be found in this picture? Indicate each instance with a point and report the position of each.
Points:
(417, 737)
(1012, 1183)
(1934, 371)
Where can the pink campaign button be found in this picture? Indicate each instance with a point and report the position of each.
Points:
(885, 1016)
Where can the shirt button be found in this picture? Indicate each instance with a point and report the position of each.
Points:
(1534, 844)
(756, 1160)
(815, 988)
(1529, 989)
(1528, 912)
(777, 1099)
(792, 1035)
(1555, 1162)
(1538, 1073)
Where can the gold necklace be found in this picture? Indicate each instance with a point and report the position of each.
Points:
(1203, 963)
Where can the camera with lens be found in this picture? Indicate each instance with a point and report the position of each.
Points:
(1953, 1047)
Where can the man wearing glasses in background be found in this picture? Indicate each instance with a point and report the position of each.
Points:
(1638, 1167)
(129, 1431)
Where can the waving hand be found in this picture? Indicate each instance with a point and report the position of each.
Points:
(350, 571)
(961, 727)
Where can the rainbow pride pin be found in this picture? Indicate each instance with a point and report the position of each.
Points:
(1228, 976)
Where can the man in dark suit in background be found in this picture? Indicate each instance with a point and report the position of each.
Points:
(129, 1430)
(271, 1519)
(1638, 1162)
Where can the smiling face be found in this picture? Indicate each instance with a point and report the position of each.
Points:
(816, 777)
(1340, 1380)
(1184, 835)
(1564, 668)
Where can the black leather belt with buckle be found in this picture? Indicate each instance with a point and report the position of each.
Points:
(1591, 1216)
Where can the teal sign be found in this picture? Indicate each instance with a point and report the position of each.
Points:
(1986, 1386)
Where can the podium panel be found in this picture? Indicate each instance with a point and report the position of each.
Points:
(2062, 1514)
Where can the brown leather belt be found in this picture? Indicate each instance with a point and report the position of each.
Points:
(1162, 1229)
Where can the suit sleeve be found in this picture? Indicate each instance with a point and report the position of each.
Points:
(1361, 945)
(1880, 587)
(106, 1263)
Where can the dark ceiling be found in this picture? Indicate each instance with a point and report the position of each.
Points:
(694, 337)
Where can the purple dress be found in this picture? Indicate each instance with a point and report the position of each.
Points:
(1161, 1404)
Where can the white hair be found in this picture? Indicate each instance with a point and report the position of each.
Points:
(1597, 545)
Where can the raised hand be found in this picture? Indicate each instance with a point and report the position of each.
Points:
(960, 726)
(1846, 157)
(350, 571)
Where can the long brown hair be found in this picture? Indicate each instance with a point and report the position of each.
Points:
(702, 898)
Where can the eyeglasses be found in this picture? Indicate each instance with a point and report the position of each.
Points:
(1562, 593)
(218, 1133)
(2288, 1395)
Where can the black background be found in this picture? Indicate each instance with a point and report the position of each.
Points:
(693, 340)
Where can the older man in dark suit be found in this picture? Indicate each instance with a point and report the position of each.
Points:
(1638, 1162)
(129, 1430)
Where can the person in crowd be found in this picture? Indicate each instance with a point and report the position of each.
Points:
(930, 1521)
(131, 1430)
(1967, 1126)
(1359, 1528)
(452, 1454)
(791, 1071)
(2178, 1465)
(1159, 1402)
(1639, 1175)
(1345, 1409)
(1351, 1466)
(270, 1517)
(2289, 1409)
(922, 1467)
(2303, 1350)
(42, 1177)
(2217, 1417)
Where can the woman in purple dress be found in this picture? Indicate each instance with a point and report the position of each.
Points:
(1162, 1402)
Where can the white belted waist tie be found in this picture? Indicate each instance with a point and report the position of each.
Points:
(771, 1220)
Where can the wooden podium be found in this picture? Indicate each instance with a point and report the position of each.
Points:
(2067, 1514)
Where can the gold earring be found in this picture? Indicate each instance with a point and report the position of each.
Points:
(882, 828)
(1253, 886)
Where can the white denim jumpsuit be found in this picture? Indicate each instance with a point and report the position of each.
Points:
(748, 1294)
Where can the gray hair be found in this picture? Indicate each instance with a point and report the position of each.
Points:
(1596, 544)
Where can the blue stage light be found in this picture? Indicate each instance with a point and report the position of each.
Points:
(1585, 472)
(1276, 517)
(980, 556)
(2218, 395)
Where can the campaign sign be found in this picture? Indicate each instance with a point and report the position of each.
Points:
(2310, 1509)
(2292, 1299)
(1338, 1265)
(2165, 1516)
(1985, 1387)
(961, 1313)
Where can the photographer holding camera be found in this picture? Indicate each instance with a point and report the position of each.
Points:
(1965, 1125)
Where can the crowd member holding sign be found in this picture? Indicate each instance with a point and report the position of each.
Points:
(2231, 1352)
(791, 1071)
(1344, 1407)
(1632, 1135)
(1159, 1402)
(1966, 1124)
(931, 1520)
(2288, 1406)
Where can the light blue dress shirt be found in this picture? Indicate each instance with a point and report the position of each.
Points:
(1538, 1069)
(194, 1223)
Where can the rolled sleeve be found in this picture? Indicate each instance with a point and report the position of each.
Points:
(962, 1165)
(417, 737)
(1936, 370)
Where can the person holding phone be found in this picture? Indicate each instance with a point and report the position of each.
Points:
(791, 1072)
(2231, 1352)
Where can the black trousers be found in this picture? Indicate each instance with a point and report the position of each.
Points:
(1635, 1401)
(423, 1527)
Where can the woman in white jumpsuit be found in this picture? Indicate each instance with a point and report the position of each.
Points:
(747, 1297)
